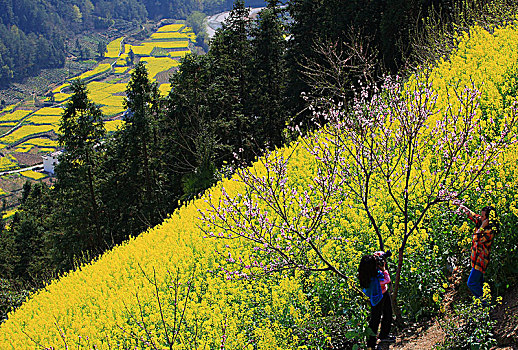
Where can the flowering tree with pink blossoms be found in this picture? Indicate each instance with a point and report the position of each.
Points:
(398, 146)
(281, 221)
(399, 149)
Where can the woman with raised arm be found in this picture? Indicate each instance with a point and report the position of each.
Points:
(486, 226)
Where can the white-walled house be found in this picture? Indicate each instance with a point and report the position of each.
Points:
(50, 161)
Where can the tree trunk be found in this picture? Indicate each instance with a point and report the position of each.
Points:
(93, 202)
(395, 305)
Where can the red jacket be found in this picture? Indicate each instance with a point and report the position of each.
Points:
(481, 246)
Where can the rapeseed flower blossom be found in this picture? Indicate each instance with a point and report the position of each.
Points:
(110, 300)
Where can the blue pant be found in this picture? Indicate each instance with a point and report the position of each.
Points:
(475, 281)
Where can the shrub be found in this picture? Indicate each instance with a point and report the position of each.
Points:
(471, 326)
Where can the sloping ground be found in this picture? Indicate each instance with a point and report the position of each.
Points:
(165, 283)
(111, 297)
(426, 336)
(506, 315)
(429, 333)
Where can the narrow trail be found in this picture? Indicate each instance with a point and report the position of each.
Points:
(34, 167)
(423, 337)
(428, 335)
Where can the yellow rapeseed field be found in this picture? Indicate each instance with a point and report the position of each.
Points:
(164, 89)
(168, 35)
(146, 48)
(14, 117)
(112, 125)
(31, 174)
(109, 111)
(171, 28)
(102, 68)
(156, 65)
(113, 299)
(120, 70)
(8, 162)
(61, 97)
(61, 87)
(26, 130)
(113, 48)
(41, 142)
(179, 54)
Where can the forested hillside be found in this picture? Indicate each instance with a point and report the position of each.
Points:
(33, 33)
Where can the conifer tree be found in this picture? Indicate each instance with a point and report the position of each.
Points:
(231, 56)
(269, 75)
(132, 168)
(191, 145)
(81, 131)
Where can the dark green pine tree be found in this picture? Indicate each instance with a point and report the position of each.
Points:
(335, 23)
(190, 143)
(133, 180)
(81, 132)
(101, 49)
(230, 52)
(29, 257)
(268, 76)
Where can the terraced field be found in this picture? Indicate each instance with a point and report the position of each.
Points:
(33, 132)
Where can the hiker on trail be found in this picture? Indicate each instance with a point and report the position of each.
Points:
(486, 226)
(374, 277)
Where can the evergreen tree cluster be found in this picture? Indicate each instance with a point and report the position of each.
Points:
(111, 187)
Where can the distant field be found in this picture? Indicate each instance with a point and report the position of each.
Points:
(179, 54)
(169, 44)
(8, 163)
(46, 116)
(102, 68)
(60, 97)
(42, 142)
(164, 89)
(13, 118)
(168, 36)
(31, 174)
(112, 110)
(25, 131)
(112, 49)
(156, 65)
(59, 88)
(146, 48)
(10, 213)
(120, 70)
(171, 28)
(44, 119)
(112, 125)
(49, 111)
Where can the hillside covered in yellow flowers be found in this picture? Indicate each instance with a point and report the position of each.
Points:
(170, 288)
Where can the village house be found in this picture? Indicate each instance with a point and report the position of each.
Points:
(50, 161)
